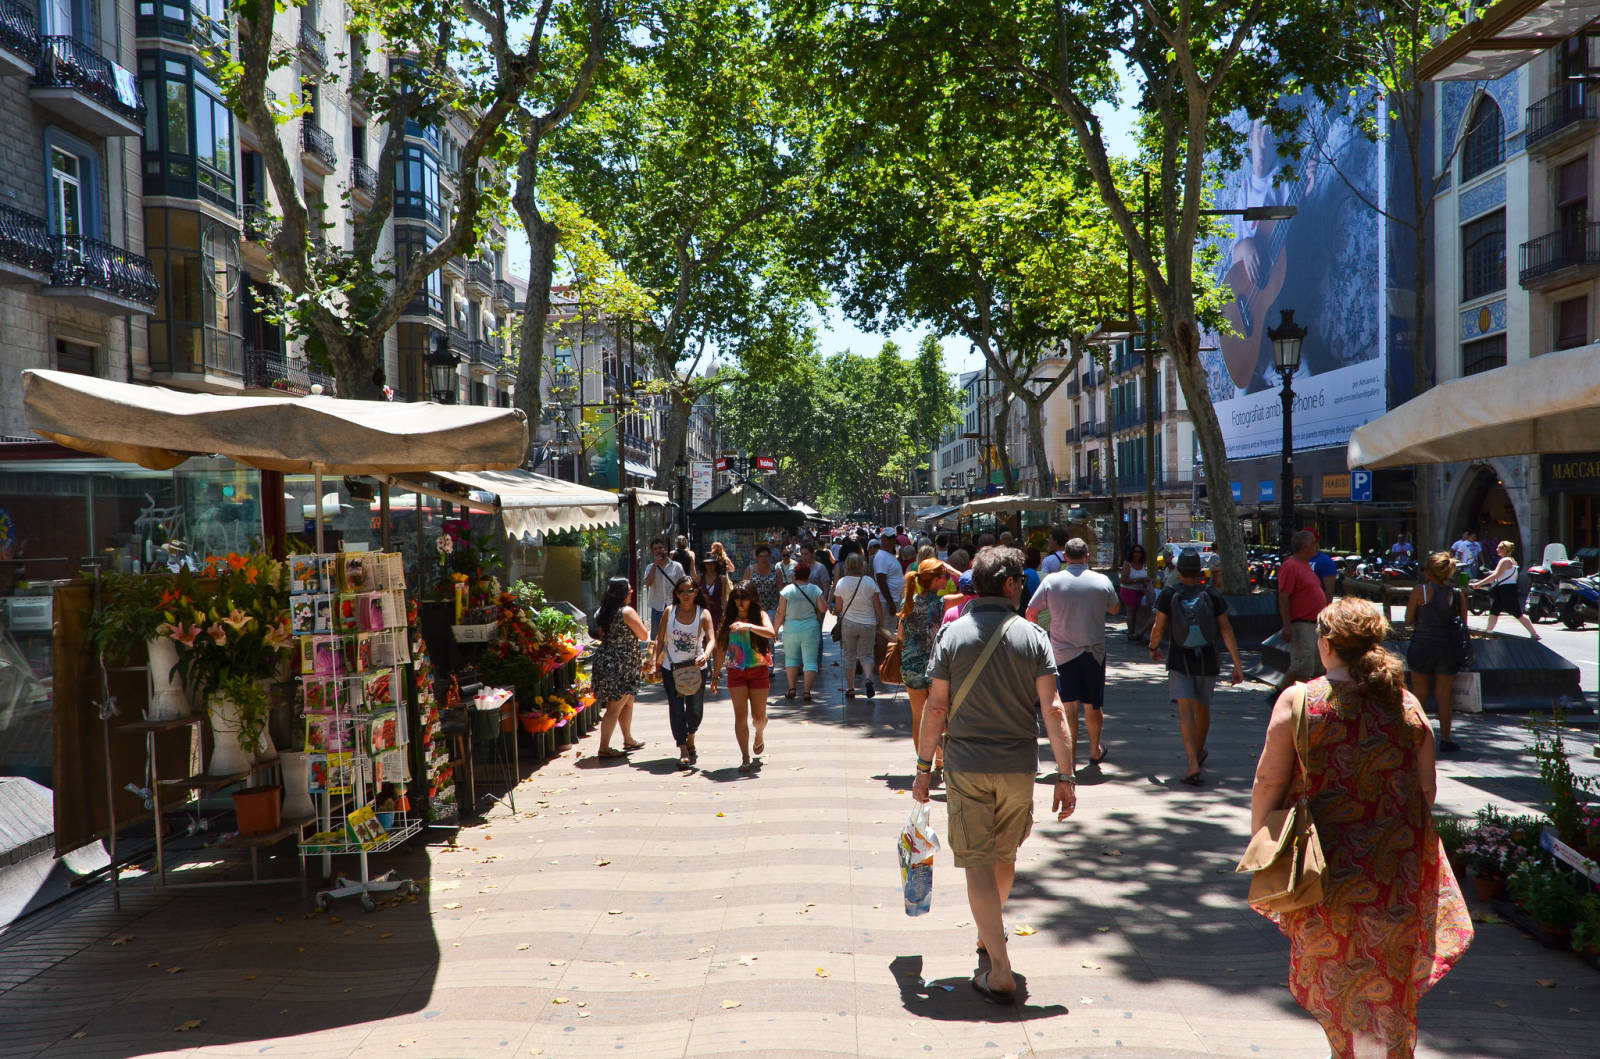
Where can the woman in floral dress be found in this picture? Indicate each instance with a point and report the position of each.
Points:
(766, 578)
(617, 664)
(1392, 921)
(920, 617)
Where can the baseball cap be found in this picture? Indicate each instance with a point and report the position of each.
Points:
(1189, 562)
(964, 584)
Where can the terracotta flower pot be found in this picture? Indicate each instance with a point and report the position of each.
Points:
(258, 809)
(1488, 887)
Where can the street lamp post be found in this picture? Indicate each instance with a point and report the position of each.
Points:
(681, 468)
(442, 378)
(1286, 340)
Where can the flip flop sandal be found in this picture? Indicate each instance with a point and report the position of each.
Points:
(1004, 998)
(1194, 780)
(611, 752)
(1103, 755)
(1203, 755)
(633, 746)
(746, 767)
(760, 744)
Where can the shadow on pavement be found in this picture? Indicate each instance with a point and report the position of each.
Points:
(215, 968)
(954, 999)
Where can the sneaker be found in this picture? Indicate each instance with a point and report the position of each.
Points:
(1448, 746)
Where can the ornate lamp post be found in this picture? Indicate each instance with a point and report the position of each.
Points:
(442, 377)
(1286, 340)
(680, 467)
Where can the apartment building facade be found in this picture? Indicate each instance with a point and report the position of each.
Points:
(76, 289)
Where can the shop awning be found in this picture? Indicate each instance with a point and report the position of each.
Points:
(1550, 403)
(935, 512)
(639, 470)
(1007, 503)
(536, 503)
(160, 428)
(1504, 36)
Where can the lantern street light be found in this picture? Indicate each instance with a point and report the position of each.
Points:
(442, 377)
(680, 467)
(1286, 340)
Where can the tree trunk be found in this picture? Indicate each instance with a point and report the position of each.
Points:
(997, 435)
(1041, 462)
(1183, 342)
(674, 442)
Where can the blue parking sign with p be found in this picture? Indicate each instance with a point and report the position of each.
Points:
(1361, 487)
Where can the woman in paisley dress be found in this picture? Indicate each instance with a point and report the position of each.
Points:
(1392, 921)
(618, 664)
(921, 615)
(766, 578)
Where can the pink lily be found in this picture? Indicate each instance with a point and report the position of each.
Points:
(219, 635)
(279, 637)
(237, 620)
(181, 632)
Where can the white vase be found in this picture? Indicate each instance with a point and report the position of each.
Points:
(296, 767)
(268, 750)
(167, 699)
(228, 758)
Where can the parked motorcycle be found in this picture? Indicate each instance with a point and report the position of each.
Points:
(1541, 604)
(1478, 600)
(1402, 570)
(1578, 601)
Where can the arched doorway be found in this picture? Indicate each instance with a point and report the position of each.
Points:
(1485, 506)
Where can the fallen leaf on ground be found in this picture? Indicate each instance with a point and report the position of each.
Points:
(731, 1003)
(251, 977)
(722, 814)
(1090, 966)
(152, 965)
(453, 905)
(1086, 1000)
(1501, 1004)
(703, 948)
(408, 1042)
(561, 1000)
(1025, 931)
(174, 970)
(558, 963)
(823, 974)
(600, 862)
(613, 911)
(122, 940)
(584, 1014)
(192, 1024)
(1548, 983)
(387, 934)
(522, 946)
(638, 974)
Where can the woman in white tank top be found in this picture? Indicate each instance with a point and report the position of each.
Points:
(1504, 596)
(685, 639)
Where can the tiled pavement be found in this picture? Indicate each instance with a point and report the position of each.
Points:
(632, 909)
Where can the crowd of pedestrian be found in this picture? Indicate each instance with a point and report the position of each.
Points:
(990, 638)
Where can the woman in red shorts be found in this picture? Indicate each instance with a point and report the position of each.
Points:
(745, 640)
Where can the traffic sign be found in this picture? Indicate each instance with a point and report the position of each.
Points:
(1361, 487)
(766, 463)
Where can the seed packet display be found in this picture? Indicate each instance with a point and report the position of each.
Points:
(389, 649)
(328, 658)
(378, 689)
(356, 571)
(337, 775)
(302, 615)
(308, 656)
(363, 827)
(308, 574)
(382, 729)
(327, 733)
(360, 652)
(388, 571)
(346, 614)
(390, 767)
(322, 614)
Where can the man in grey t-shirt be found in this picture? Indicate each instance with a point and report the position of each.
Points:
(1078, 600)
(991, 753)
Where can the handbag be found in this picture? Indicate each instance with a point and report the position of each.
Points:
(838, 622)
(889, 668)
(1461, 638)
(1285, 855)
(687, 678)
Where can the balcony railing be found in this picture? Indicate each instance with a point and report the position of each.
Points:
(319, 144)
(1072, 434)
(1093, 430)
(66, 62)
(1561, 109)
(1090, 486)
(1573, 246)
(269, 369)
(312, 44)
(366, 177)
(19, 31)
(25, 240)
(1073, 388)
(504, 292)
(258, 222)
(485, 352)
(460, 344)
(1092, 379)
(93, 265)
(480, 275)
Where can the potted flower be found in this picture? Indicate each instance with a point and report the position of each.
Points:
(232, 644)
(1549, 894)
(1586, 931)
(130, 619)
(1489, 854)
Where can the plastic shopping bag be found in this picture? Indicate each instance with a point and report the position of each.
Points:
(918, 843)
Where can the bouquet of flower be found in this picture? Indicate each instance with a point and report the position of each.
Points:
(241, 633)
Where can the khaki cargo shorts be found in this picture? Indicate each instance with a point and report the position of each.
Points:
(1304, 661)
(990, 814)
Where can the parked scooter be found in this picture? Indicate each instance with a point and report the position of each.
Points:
(1541, 605)
(1478, 600)
(1578, 601)
(1402, 570)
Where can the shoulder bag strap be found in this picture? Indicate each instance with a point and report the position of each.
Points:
(1301, 736)
(859, 581)
(977, 670)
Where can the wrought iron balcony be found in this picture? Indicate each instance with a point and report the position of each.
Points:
(88, 264)
(25, 248)
(1093, 430)
(318, 145)
(504, 293)
(269, 369)
(460, 344)
(1561, 256)
(81, 84)
(1073, 388)
(486, 352)
(258, 222)
(480, 275)
(311, 42)
(1091, 485)
(1564, 109)
(1072, 435)
(19, 35)
(1092, 379)
(366, 178)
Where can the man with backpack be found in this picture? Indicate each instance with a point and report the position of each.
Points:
(1198, 619)
(1053, 560)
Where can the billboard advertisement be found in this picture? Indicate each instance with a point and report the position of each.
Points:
(700, 482)
(601, 466)
(1325, 264)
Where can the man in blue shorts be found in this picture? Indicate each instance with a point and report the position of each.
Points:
(1079, 600)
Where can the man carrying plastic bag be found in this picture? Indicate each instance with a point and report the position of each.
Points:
(918, 843)
(1003, 670)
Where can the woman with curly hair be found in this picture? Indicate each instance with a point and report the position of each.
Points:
(744, 641)
(1391, 922)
